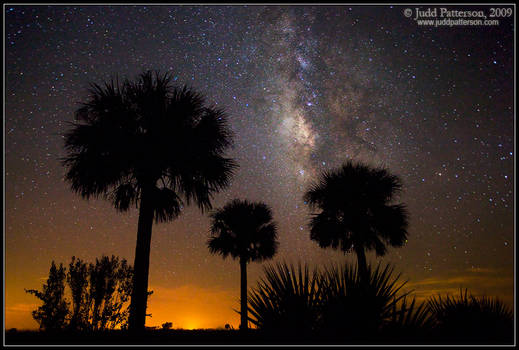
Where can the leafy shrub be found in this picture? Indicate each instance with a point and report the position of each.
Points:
(99, 292)
(53, 313)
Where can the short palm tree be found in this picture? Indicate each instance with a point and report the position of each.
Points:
(356, 305)
(245, 231)
(356, 213)
(152, 145)
(287, 300)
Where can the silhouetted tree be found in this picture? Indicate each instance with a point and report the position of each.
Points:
(167, 326)
(100, 293)
(53, 313)
(109, 289)
(148, 144)
(356, 213)
(245, 231)
(77, 279)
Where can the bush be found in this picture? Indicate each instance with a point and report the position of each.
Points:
(286, 301)
(470, 318)
(409, 322)
(53, 313)
(354, 307)
(335, 303)
(167, 326)
(100, 293)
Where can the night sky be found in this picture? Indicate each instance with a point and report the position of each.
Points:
(306, 88)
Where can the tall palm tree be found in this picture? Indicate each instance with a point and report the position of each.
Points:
(247, 232)
(152, 145)
(355, 211)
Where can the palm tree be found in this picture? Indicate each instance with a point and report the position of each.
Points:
(148, 144)
(246, 232)
(356, 213)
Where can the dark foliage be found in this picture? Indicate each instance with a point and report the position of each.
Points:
(243, 230)
(167, 326)
(109, 290)
(148, 133)
(335, 304)
(52, 315)
(99, 293)
(353, 307)
(467, 317)
(408, 322)
(356, 211)
(286, 300)
(77, 279)
(340, 306)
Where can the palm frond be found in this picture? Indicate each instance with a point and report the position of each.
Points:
(167, 204)
(355, 307)
(286, 300)
(409, 320)
(124, 196)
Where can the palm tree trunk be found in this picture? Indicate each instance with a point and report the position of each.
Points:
(243, 299)
(361, 258)
(141, 265)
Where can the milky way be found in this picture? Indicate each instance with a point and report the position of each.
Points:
(306, 88)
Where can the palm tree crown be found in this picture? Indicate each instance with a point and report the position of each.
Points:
(148, 133)
(152, 145)
(356, 211)
(243, 230)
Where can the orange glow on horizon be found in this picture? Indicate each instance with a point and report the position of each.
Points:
(191, 324)
(187, 307)
(193, 307)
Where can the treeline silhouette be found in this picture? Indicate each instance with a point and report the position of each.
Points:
(338, 304)
(157, 147)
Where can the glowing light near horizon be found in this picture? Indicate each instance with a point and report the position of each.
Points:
(191, 324)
